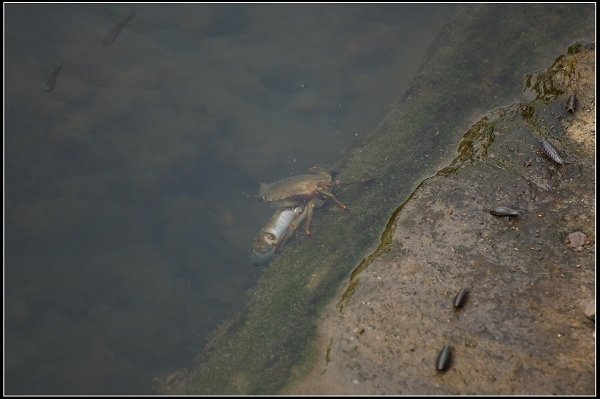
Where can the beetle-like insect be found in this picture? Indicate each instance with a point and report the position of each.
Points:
(444, 359)
(461, 298)
(551, 152)
(504, 211)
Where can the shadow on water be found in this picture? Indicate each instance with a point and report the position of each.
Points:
(128, 224)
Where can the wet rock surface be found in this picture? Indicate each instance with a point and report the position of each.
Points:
(522, 330)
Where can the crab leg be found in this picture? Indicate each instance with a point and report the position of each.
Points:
(330, 195)
(310, 206)
(309, 211)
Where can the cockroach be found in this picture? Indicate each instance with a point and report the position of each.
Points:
(461, 298)
(504, 211)
(444, 359)
(551, 152)
(572, 104)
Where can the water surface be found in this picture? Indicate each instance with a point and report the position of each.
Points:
(128, 210)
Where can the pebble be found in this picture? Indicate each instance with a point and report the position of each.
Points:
(590, 309)
(576, 240)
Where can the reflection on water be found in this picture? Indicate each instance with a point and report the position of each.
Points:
(129, 215)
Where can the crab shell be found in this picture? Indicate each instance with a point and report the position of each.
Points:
(294, 190)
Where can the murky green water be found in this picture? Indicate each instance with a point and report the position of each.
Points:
(128, 217)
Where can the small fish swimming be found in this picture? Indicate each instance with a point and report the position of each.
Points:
(52, 79)
(551, 152)
(112, 35)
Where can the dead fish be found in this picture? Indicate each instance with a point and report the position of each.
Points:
(444, 358)
(52, 79)
(572, 104)
(551, 152)
(460, 298)
(274, 235)
(116, 30)
(504, 211)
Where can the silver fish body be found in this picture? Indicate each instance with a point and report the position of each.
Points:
(277, 230)
(551, 152)
(52, 79)
(112, 35)
(281, 221)
(504, 211)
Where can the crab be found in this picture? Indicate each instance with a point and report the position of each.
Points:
(310, 191)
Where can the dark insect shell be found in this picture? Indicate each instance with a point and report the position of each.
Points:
(551, 152)
(461, 298)
(572, 104)
(444, 359)
(504, 211)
